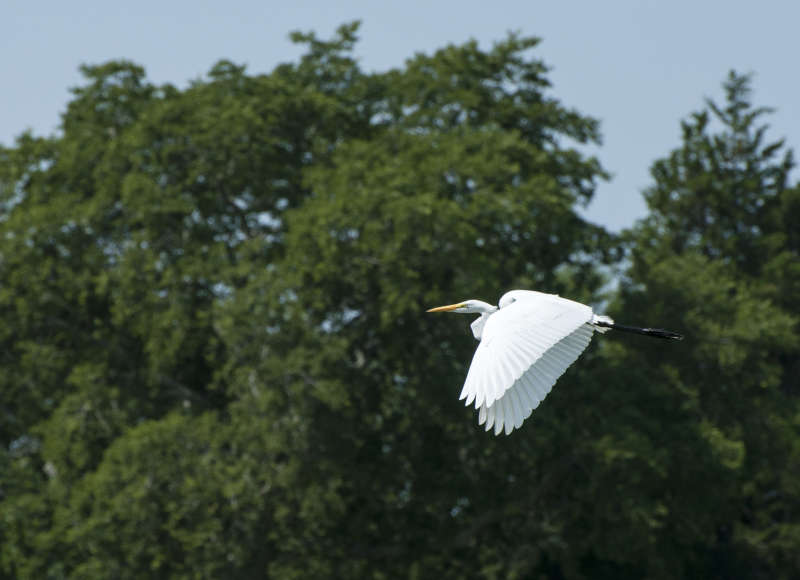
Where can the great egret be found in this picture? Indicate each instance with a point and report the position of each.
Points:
(527, 342)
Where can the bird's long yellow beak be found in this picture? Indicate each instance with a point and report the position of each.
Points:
(447, 308)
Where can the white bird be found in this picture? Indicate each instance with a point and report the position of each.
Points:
(527, 342)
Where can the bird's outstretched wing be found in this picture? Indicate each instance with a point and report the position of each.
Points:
(525, 347)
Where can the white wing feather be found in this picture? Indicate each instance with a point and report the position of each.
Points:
(477, 325)
(525, 347)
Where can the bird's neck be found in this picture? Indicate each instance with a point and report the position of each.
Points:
(481, 307)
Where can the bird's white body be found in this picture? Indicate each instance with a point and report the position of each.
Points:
(526, 344)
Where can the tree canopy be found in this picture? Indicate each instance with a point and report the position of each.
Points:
(215, 363)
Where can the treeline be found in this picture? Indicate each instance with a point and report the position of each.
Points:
(214, 361)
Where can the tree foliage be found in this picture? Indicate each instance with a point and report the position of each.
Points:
(214, 362)
(719, 257)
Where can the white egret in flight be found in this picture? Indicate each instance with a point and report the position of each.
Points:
(527, 342)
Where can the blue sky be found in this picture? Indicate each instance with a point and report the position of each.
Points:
(640, 66)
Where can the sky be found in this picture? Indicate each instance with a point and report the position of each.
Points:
(639, 66)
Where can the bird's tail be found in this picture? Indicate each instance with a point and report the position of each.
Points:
(604, 324)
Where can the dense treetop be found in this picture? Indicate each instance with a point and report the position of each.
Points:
(214, 360)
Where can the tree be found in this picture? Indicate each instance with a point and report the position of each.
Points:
(120, 237)
(215, 359)
(718, 257)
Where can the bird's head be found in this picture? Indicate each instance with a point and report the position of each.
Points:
(466, 307)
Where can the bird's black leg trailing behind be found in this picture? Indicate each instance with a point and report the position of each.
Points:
(656, 332)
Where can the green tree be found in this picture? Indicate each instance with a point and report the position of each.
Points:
(215, 362)
(457, 195)
(237, 271)
(718, 257)
(120, 237)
